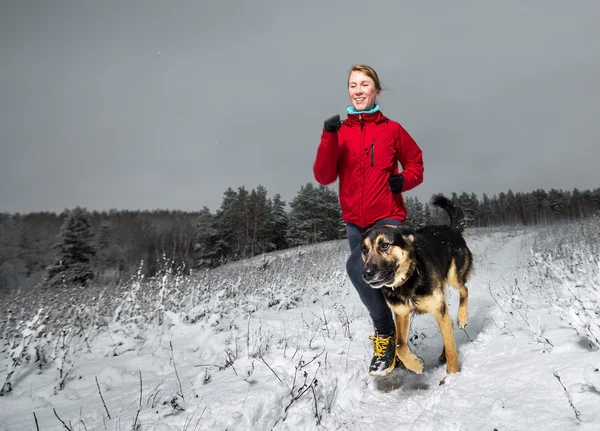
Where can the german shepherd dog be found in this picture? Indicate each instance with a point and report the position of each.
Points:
(412, 268)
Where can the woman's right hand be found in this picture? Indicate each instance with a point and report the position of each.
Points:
(332, 124)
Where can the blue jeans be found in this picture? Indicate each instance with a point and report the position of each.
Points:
(380, 313)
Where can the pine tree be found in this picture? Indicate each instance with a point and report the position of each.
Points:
(226, 223)
(109, 253)
(485, 211)
(104, 257)
(328, 204)
(303, 218)
(315, 216)
(542, 206)
(588, 203)
(206, 252)
(558, 201)
(278, 222)
(75, 252)
(470, 208)
(258, 216)
(415, 213)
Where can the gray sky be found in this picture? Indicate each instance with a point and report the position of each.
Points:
(156, 104)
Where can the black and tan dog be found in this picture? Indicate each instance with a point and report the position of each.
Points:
(412, 268)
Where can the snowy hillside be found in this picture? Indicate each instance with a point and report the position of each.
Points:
(281, 342)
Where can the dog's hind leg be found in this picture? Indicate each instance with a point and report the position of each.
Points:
(463, 315)
(408, 358)
(456, 280)
(443, 318)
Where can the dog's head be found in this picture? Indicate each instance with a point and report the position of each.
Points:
(388, 255)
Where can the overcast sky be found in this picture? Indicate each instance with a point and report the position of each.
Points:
(164, 104)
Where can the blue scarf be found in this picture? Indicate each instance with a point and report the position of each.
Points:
(350, 110)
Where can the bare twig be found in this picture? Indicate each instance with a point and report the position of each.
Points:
(200, 418)
(248, 337)
(103, 402)
(568, 396)
(308, 363)
(503, 327)
(468, 337)
(64, 424)
(306, 388)
(155, 391)
(231, 358)
(296, 351)
(265, 362)
(176, 374)
(493, 297)
(140, 388)
(135, 425)
(325, 320)
(348, 354)
(37, 426)
(154, 398)
(188, 421)
(81, 420)
(316, 406)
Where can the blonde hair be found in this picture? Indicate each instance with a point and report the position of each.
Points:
(367, 70)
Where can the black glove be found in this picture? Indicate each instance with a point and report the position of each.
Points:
(396, 183)
(332, 124)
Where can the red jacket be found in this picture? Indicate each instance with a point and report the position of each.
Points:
(363, 154)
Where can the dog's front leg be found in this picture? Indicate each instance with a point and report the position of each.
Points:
(408, 358)
(443, 318)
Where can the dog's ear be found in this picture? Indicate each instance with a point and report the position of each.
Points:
(404, 237)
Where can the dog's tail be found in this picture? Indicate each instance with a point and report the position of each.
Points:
(457, 215)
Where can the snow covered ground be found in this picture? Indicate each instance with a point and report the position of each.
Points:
(293, 355)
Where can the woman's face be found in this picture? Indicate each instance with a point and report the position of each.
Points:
(362, 91)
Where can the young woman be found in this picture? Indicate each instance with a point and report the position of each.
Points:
(363, 151)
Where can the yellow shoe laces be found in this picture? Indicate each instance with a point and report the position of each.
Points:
(380, 344)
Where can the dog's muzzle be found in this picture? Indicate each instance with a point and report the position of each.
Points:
(375, 279)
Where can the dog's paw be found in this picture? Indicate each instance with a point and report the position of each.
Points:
(452, 368)
(411, 362)
(417, 366)
(463, 318)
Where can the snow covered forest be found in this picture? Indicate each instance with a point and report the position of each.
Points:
(114, 245)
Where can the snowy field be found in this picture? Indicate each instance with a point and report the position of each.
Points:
(281, 343)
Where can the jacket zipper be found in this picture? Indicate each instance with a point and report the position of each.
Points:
(362, 124)
(373, 153)
(372, 148)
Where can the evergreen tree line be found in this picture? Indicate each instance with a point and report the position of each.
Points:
(512, 209)
(250, 223)
(78, 246)
(105, 246)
